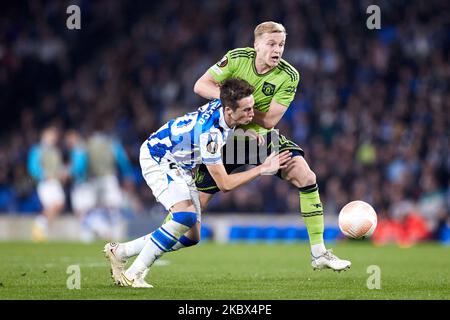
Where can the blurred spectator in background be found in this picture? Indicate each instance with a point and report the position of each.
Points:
(405, 226)
(81, 192)
(103, 198)
(78, 165)
(45, 165)
(431, 203)
(97, 197)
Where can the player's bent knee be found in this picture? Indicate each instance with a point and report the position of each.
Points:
(301, 176)
(189, 219)
(309, 179)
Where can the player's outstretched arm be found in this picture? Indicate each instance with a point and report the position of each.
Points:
(227, 182)
(270, 118)
(207, 87)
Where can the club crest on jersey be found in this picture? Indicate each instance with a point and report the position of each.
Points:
(212, 146)
(268, 89)
(222, 63)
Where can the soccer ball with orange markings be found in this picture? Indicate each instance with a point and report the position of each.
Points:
(357, 220)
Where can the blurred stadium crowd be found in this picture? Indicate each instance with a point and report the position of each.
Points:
(371, 110)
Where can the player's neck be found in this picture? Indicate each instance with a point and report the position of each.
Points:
(262, 67)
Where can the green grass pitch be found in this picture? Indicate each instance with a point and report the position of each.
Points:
(233, 271)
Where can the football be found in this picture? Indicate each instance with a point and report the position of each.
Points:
(357, 220)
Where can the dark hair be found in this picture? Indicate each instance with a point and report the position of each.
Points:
(232, 90)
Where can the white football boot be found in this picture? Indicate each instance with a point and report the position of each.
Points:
(134, 281)
(330, 261)
(117, 264)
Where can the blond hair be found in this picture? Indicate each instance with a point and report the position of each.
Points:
(269, 27)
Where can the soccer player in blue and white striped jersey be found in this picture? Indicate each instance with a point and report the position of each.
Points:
(167, 159)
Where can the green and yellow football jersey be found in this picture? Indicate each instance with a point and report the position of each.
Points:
(280, 83)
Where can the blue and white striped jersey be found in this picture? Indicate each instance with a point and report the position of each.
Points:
(194, 138)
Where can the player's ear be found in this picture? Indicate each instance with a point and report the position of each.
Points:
(228, 110)
(256, 44)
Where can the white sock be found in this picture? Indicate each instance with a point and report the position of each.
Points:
(318, 249)
(162, 240)
(145, 259)
(131, 248)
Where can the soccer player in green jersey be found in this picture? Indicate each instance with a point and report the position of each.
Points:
(275, 82)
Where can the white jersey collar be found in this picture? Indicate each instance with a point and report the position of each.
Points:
(222, 122)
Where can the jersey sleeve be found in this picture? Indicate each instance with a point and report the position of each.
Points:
(210, 147)
(286, 93)
(223, 69)
(34, 164)
(79, 163)
(122, 159)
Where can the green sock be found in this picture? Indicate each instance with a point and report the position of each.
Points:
(312, 213)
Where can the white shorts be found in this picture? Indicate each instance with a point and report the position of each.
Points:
(102, 191)
(108, 191)
(83, 197)
(50, 193)
(169, 185)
